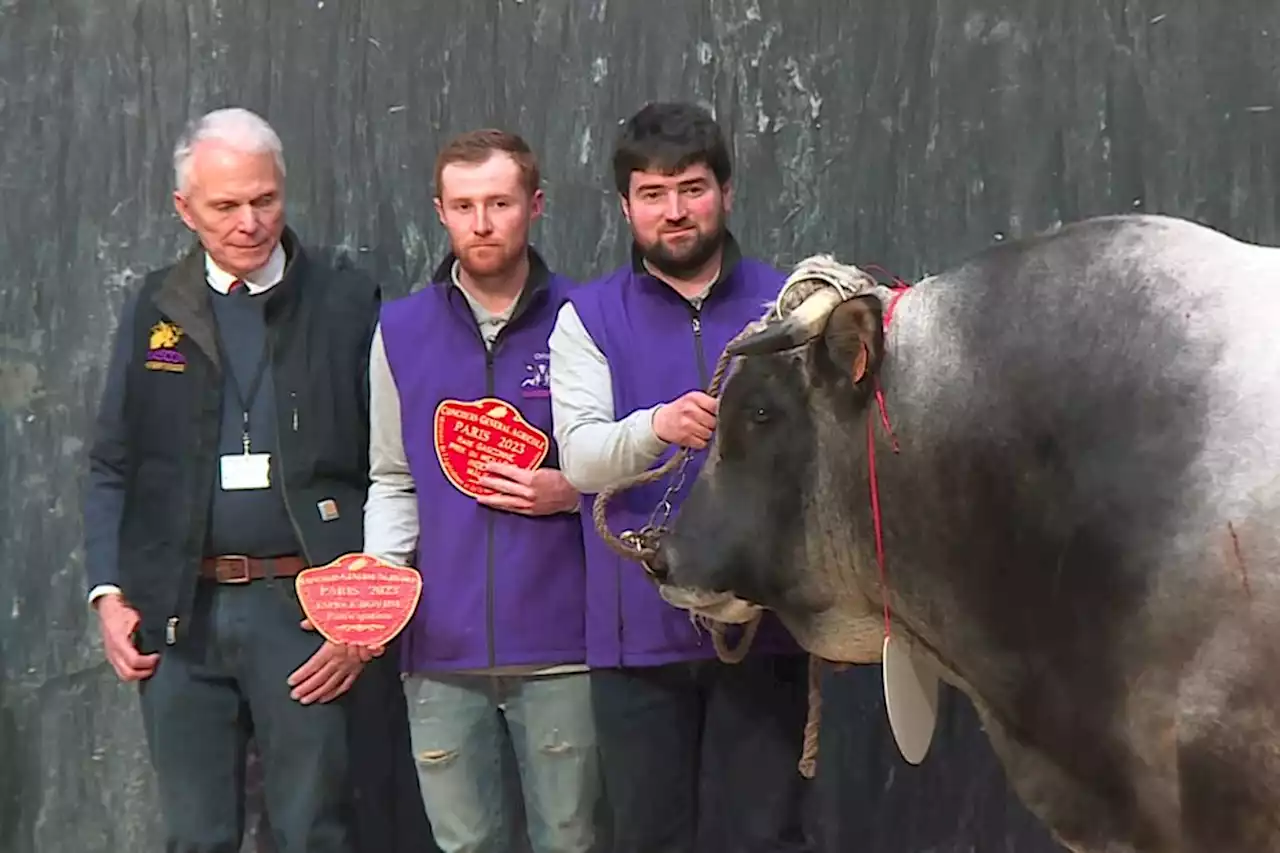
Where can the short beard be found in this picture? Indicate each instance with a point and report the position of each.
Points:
(505, 264)
(703, 250)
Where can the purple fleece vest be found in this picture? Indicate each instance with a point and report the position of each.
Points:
(499, 588)
(646, 331)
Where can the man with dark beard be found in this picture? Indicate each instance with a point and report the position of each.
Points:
(696, 754)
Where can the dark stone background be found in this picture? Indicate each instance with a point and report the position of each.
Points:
(907, 134)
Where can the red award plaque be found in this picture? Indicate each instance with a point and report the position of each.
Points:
(358, 599)
(487, 430)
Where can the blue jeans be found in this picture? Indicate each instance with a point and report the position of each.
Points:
(460, 727)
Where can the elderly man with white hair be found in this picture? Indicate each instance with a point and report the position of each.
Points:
(231, 453)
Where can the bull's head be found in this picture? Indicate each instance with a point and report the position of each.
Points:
(777, 518)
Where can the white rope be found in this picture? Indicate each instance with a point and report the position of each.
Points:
(847, 280)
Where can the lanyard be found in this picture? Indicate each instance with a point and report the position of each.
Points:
(246, 403)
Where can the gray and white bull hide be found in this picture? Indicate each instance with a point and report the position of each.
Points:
(1081, 528)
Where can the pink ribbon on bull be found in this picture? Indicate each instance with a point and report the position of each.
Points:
(900, 288)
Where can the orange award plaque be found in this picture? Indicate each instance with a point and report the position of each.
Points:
(358, 599)
(487, 430)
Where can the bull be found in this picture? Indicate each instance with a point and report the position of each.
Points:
(1075, 519)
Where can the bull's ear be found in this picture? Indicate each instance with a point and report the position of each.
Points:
(854, 337)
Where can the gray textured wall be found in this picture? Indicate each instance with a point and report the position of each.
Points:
(902, 133)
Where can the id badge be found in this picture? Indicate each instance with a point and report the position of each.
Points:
(246, 471)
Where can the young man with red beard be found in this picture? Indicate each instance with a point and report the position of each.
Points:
(696, 754)
(495, 655)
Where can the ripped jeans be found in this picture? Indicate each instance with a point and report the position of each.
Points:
(460, 727)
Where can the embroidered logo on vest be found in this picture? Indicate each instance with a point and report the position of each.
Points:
(538, 382)
(161, 348)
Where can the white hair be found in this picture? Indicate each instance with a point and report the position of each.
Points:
(234, 126)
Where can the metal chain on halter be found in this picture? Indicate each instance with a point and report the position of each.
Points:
(656, 526)
(642, 545)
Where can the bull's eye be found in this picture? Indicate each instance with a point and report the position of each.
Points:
(760, 415)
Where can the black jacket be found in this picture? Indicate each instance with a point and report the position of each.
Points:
(153, 461)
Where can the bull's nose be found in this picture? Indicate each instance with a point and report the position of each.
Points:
(659, 565)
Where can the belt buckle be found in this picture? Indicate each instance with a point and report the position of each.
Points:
(224, 574)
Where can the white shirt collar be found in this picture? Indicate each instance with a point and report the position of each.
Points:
(258, 281)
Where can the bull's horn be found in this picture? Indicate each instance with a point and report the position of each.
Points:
(802, 325)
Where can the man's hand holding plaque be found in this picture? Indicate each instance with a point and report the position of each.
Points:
(541, 492)
(489, 452)
(358, 603)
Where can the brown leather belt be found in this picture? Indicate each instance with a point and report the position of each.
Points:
(233, 568)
